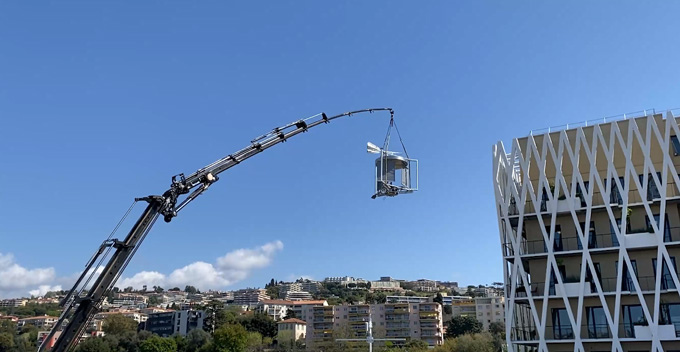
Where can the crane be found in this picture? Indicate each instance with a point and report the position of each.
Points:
(83, 301)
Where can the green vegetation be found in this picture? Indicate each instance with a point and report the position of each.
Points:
(462, 325)
(118, 324)
(32, 310)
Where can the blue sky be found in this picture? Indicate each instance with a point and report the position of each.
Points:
(101, 103)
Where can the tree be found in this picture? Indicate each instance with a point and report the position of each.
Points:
(414, 345)
(8, 326)
(117, 324)
(289, 314)
(158, 344)
(154, 301)
(261, 323)
(196, 339)
(438, 298)
(96, 344)
(462, 325)
(190, 289)
(6, 341)
(497, 328)
(230, 338)
(475, 343)
(448, 309)
(254, 341)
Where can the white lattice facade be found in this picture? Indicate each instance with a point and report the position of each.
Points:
(589, 222)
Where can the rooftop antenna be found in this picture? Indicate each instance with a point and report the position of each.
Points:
(393, 171)
(369, 336)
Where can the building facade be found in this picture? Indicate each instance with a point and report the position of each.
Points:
(589, 222)
(250, 296)
(407, 321)
(178, 322)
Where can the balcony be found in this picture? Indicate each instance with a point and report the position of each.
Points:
(572, 289)
(562, 205)
(644, 332)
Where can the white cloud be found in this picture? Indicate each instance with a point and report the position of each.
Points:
(233, 267)
(17, 281)
(43, 289)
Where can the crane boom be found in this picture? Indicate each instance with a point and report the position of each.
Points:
(81, 304)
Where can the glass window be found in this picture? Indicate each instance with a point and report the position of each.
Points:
(667, 282)
(612, 231)
(557, 240)
(632, 315)
(615, 192)
(597, 323)
(676, 145)
(627, 282)
(657, 221)
(652, 189)
(562, 328)
(590, 235)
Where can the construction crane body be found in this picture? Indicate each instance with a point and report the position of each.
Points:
(83, 301)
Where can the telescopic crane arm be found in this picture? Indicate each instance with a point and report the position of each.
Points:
(81, 304)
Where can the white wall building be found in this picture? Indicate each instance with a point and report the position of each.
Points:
(589, 223)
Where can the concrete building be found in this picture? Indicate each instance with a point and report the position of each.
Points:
(589, 223)
(250, 296)
(298, 296)
(44, 322)
(179, 322)
(294, 329)
(464, 307)
(386, 285)
(12, 303)
(304, 286)
(490, 310)
(392, 320)
(425, 285)
(274, 308)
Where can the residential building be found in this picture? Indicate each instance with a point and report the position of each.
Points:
(298, 296)
(304, 310)
(12, 303)
(11, 318)
(294, 329)
(451, 285)
(274, 308)
(425, 285)
(302, 286)
(345, 280)
(464, 307)
(131, 300)
(250, 296)
(385, 286)
(175, 322)
(97, 322)
(44, 322)
(589, 223)
(407, 299)
(489, 310)
(391, 320)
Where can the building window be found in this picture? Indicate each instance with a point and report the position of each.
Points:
(562, 328)
(590, 235)
(666, 278)
(597, 323)
(557, 240)
(632, 315)
(652, 189)
(614, 192)
(657, 221)
(676, 145)
(627, 281)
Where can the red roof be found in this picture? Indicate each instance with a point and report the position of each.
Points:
(293, 320)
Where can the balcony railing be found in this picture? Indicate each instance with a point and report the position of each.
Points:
(572, 243)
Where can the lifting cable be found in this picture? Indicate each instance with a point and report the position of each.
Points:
(386, 144)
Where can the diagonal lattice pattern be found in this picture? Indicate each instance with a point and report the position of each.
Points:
(575, 176)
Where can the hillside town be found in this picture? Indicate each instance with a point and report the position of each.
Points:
(306, 314)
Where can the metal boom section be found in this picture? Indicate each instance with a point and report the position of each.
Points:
(81, 304)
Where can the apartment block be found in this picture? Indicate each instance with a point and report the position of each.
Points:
(12, 303)
(179, 322)
(589, 225)
(250, 296)
(298, 296)
(407, 321)
(44, 322)
(490, 310)
(294, 329)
